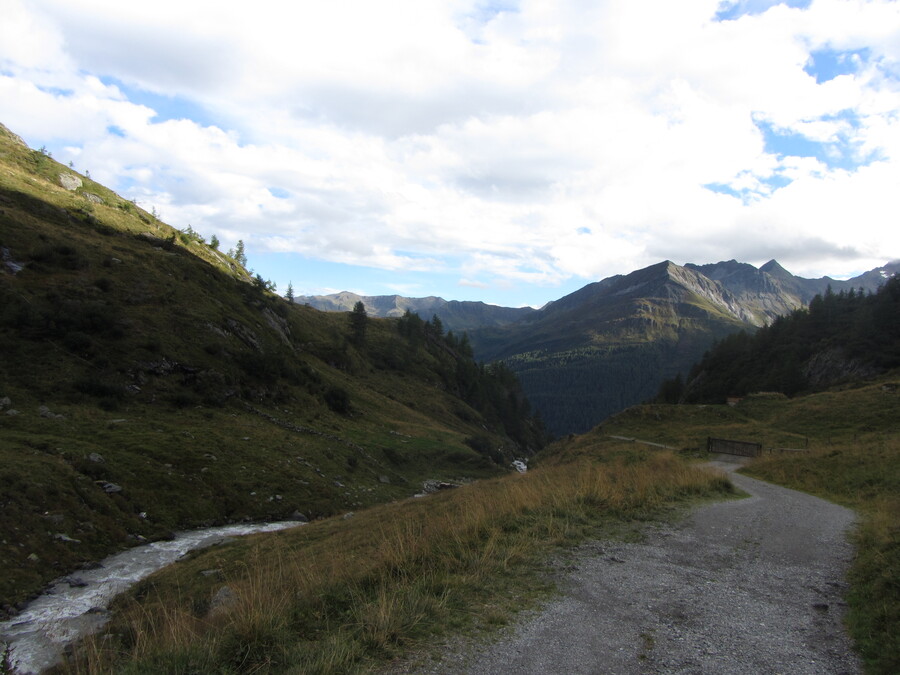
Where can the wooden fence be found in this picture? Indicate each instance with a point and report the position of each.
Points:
(721, 445)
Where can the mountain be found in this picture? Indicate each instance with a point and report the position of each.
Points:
(149, 384)
(841, 337)
(610, 344)
(456, 315)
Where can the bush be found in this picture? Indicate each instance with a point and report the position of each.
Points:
(337, 400)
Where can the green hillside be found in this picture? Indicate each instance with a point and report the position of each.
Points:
(148, 383)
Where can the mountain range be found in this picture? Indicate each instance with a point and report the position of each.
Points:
(611, 343)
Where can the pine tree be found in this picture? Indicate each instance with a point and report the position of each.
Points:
(358, 324)
(289, 294)
(239, 256)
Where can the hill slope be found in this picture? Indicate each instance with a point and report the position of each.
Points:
(147, 384)
(841, 337)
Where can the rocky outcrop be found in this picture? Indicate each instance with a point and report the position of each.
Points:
(70, 181)
(832, 367)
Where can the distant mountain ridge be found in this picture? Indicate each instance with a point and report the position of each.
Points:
(612, 343)
(454, 314)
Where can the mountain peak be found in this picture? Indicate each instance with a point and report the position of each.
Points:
(774, 268)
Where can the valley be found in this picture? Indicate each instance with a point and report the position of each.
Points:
(150, 383)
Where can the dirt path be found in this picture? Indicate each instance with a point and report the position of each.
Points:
(750, 586)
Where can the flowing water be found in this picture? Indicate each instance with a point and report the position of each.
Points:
(75, 606)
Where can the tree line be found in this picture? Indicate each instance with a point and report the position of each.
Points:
(838, 335)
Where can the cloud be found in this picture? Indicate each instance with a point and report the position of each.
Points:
(510, 144)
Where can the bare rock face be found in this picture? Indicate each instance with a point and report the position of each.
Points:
(832, 366)
(70, 181)
(16, 138)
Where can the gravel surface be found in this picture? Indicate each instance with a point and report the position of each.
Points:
(748, 586)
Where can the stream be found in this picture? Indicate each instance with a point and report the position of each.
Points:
(74, 606)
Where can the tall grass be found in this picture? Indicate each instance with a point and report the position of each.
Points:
(864, 474)
(344, 595)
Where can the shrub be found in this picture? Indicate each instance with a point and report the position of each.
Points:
(337, 400)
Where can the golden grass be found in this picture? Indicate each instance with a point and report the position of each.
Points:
(347, 594)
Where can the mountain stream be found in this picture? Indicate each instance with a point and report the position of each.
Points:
(73, 607)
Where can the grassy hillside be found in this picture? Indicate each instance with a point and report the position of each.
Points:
(147, 384)
(851, 435)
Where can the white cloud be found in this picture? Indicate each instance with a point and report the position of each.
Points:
(552, 140)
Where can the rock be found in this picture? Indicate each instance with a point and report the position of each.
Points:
(222, 600)
(211, 573)
(75, 582)
(109, 488)
(96, 457)
(45, 412)
(14, 137)
(4, 402)
(349, 515)
(299, 517)
(70, 181)
(91, 197)
(11, 412)
(64, 537)
(430, 486)
(384, 479)
(33, 557)
(11, 265)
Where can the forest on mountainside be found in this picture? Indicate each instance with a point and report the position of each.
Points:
(840, 337)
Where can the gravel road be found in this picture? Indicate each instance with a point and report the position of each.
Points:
(750, 586)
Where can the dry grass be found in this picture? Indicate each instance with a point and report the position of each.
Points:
(344, 595)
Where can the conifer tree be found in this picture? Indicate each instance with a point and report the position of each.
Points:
(358, 323)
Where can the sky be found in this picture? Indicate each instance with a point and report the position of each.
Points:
(509, 151)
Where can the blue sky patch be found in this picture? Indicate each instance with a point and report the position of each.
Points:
(165, 107)
(827, 64)
(279, 193)
(840, 153)
(116, 131)
(729, 10)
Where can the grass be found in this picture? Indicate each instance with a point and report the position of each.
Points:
(348, 595)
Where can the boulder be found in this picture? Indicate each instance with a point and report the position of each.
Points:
(70, 181)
